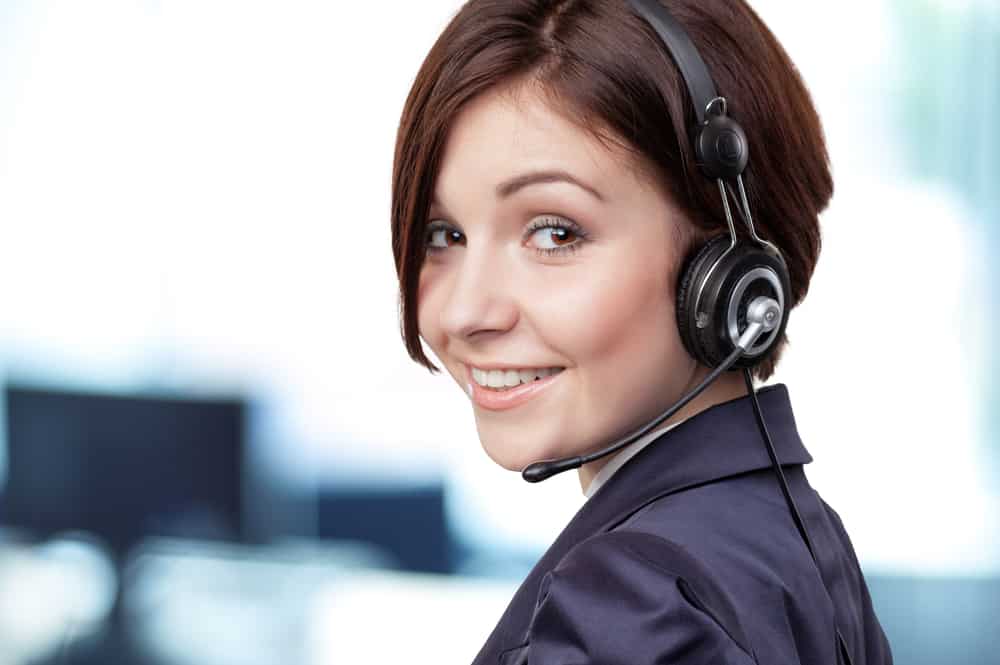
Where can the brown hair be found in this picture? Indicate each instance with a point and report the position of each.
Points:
(604, 68)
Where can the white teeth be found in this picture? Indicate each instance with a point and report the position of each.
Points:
(498, 378)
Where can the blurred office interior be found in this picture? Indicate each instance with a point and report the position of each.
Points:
(214, 447)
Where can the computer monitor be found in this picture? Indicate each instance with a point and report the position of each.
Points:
(408, 523)
(123, 467)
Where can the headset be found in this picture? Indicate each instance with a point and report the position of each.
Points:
(732, 296)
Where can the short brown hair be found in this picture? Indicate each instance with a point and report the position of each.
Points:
(603, 67)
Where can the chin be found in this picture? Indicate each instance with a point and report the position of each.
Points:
(506, 457)
(513, 457)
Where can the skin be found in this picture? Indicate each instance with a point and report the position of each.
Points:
(605, 311)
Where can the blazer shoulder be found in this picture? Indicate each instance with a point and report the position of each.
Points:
(633, 597)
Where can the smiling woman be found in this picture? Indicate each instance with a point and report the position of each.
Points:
(547, 200)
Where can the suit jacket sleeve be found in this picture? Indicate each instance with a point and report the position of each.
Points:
(619, 599)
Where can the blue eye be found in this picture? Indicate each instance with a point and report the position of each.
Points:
(555, 235)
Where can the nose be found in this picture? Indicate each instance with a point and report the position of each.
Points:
(481, 298)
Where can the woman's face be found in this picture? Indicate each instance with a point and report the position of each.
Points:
(568, 272)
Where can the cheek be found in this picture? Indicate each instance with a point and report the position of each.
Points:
(609, 314)
(432, 295)
(428, 306)
(428, 303)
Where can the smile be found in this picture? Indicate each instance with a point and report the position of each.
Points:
(500, 379)
(528, 383)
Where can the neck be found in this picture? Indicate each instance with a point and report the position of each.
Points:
(727, 387)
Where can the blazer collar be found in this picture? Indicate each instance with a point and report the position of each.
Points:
(718, 442)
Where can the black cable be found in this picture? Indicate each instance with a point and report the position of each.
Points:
(799, 523)
(774, 463)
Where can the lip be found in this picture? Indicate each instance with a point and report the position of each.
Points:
(494, 400)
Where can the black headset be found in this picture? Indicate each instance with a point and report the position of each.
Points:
(732, 296)
(720, 280)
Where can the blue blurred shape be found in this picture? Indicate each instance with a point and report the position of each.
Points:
(408, 523)
(939, 620)
(123, 467)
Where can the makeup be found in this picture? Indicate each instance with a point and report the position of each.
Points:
(509, 398)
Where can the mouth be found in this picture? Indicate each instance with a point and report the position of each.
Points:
(506, 379)
(502, 389)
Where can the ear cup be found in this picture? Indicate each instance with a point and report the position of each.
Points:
(744, 273)
(692, 273)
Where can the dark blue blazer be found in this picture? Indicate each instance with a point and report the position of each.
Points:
(689, 555)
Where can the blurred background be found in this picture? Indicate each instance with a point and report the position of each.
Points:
(214, 447)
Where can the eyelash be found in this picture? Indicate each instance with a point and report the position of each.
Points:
(554, 222)
(542, 222)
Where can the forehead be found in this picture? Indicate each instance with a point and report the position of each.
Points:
(505, 132)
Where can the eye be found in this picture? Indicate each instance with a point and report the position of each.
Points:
(555, 235)
(441, 236)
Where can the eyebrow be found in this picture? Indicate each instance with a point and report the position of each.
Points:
(509, 187)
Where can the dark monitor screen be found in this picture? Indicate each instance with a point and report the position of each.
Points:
(408, 523)
(123, 467)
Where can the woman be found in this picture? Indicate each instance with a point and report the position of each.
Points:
(549, 211)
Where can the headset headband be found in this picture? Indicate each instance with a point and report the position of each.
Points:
(692, 67)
